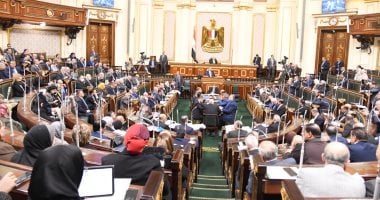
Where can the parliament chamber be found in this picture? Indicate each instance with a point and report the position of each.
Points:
(189, 99)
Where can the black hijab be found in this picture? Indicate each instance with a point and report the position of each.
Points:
(57, 174)
(37, 139)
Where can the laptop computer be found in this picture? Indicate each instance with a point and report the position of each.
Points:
(97, 181)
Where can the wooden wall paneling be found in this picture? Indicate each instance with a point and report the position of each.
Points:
(341, 46)
(92, 39)
(225, 72)
(37, 11)
(5, 6)
(365, 24)
(105, 44)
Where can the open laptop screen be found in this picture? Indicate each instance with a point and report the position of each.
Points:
(97, 181)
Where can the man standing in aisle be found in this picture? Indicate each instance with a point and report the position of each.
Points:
(271, 67)
(163, 62)
(325, 66)
(257, 62)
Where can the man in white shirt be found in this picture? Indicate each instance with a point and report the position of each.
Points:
(331, 181)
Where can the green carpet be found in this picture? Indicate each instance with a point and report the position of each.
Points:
(211, 183)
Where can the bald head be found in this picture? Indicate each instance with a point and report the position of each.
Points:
(268, 150)
(251, 141)
(336, 153)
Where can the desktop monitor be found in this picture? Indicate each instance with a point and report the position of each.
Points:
(333, 6)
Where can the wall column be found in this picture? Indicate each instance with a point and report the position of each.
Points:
(184, 30)
(158, 28)
(242, 33)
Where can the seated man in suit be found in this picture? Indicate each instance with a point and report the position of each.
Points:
(324, 106)
(209, 73)
(280, 108)
(183, 127)
(83, 109)
(360, 149)
(332, 134)
(331, 181)
(317, 118)
(303, 109)
(268, 151)
(314, 146)
(229, 110)
(237, 132)
(271, 128)
(213, 60)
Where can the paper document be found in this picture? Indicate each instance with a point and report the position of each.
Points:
(282, 172)
(121, 187)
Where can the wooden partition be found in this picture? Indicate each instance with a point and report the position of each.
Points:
(226, 71)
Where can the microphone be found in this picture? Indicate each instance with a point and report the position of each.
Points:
(9, 92)
(303, 143)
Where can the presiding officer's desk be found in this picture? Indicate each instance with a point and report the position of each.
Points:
(224, 79)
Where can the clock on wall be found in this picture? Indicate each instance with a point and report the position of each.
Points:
(333, 21)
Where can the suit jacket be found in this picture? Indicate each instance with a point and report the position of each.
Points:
(320, 120)
(280, 110)
(325, 66)
(82, 107)
(338, 65)
(137, 167)
(313, 150)
(178, 81)
(197, 111)
(211, 109)
(362, 152)
(330, 181)
(90, 64)
(295, 88)
(209, 73)
(229, 112)
(270, 64)
(235, 133)
(213, 61)
(164, 60)
(257, 60)
(184, 129)
(18, 88)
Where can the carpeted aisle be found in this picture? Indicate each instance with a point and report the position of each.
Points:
(211, 183)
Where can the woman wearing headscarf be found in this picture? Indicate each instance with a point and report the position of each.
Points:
(6, 150)
(57, 174)
(38, 138)
(131, 163)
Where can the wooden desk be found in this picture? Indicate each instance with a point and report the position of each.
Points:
(151, 190)
(224, 70)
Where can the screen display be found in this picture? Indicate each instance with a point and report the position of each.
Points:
(333, 6)
(97, 181)
(104, 3)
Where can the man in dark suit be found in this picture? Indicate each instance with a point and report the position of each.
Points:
(325, 67)
(268, 151)
(213, 60)
(271, 128)
(324, 106)
(91, 62)
(257, 61)
(163, 62)
(280, 108)
(342, 82)
(314, 146)
(183, 127)
(83, 109)
(303, 109)
(295, 86)
(81, 63)
(338, 66)
(209, 73)
(360, 149)
(271, 67)
(317, 118)
(211, 108)
(152, 65)
(178, 81)
(237, 132)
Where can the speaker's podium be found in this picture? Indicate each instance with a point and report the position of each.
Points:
(213, 84)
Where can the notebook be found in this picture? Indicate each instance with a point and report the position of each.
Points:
(97, 181)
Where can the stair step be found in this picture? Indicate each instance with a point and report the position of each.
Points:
(210, 198)
(210, 185)
(206, 176)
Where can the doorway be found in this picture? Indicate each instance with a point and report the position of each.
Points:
(101, 37)
(332, 43)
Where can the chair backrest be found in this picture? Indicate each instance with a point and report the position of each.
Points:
(210, 120)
